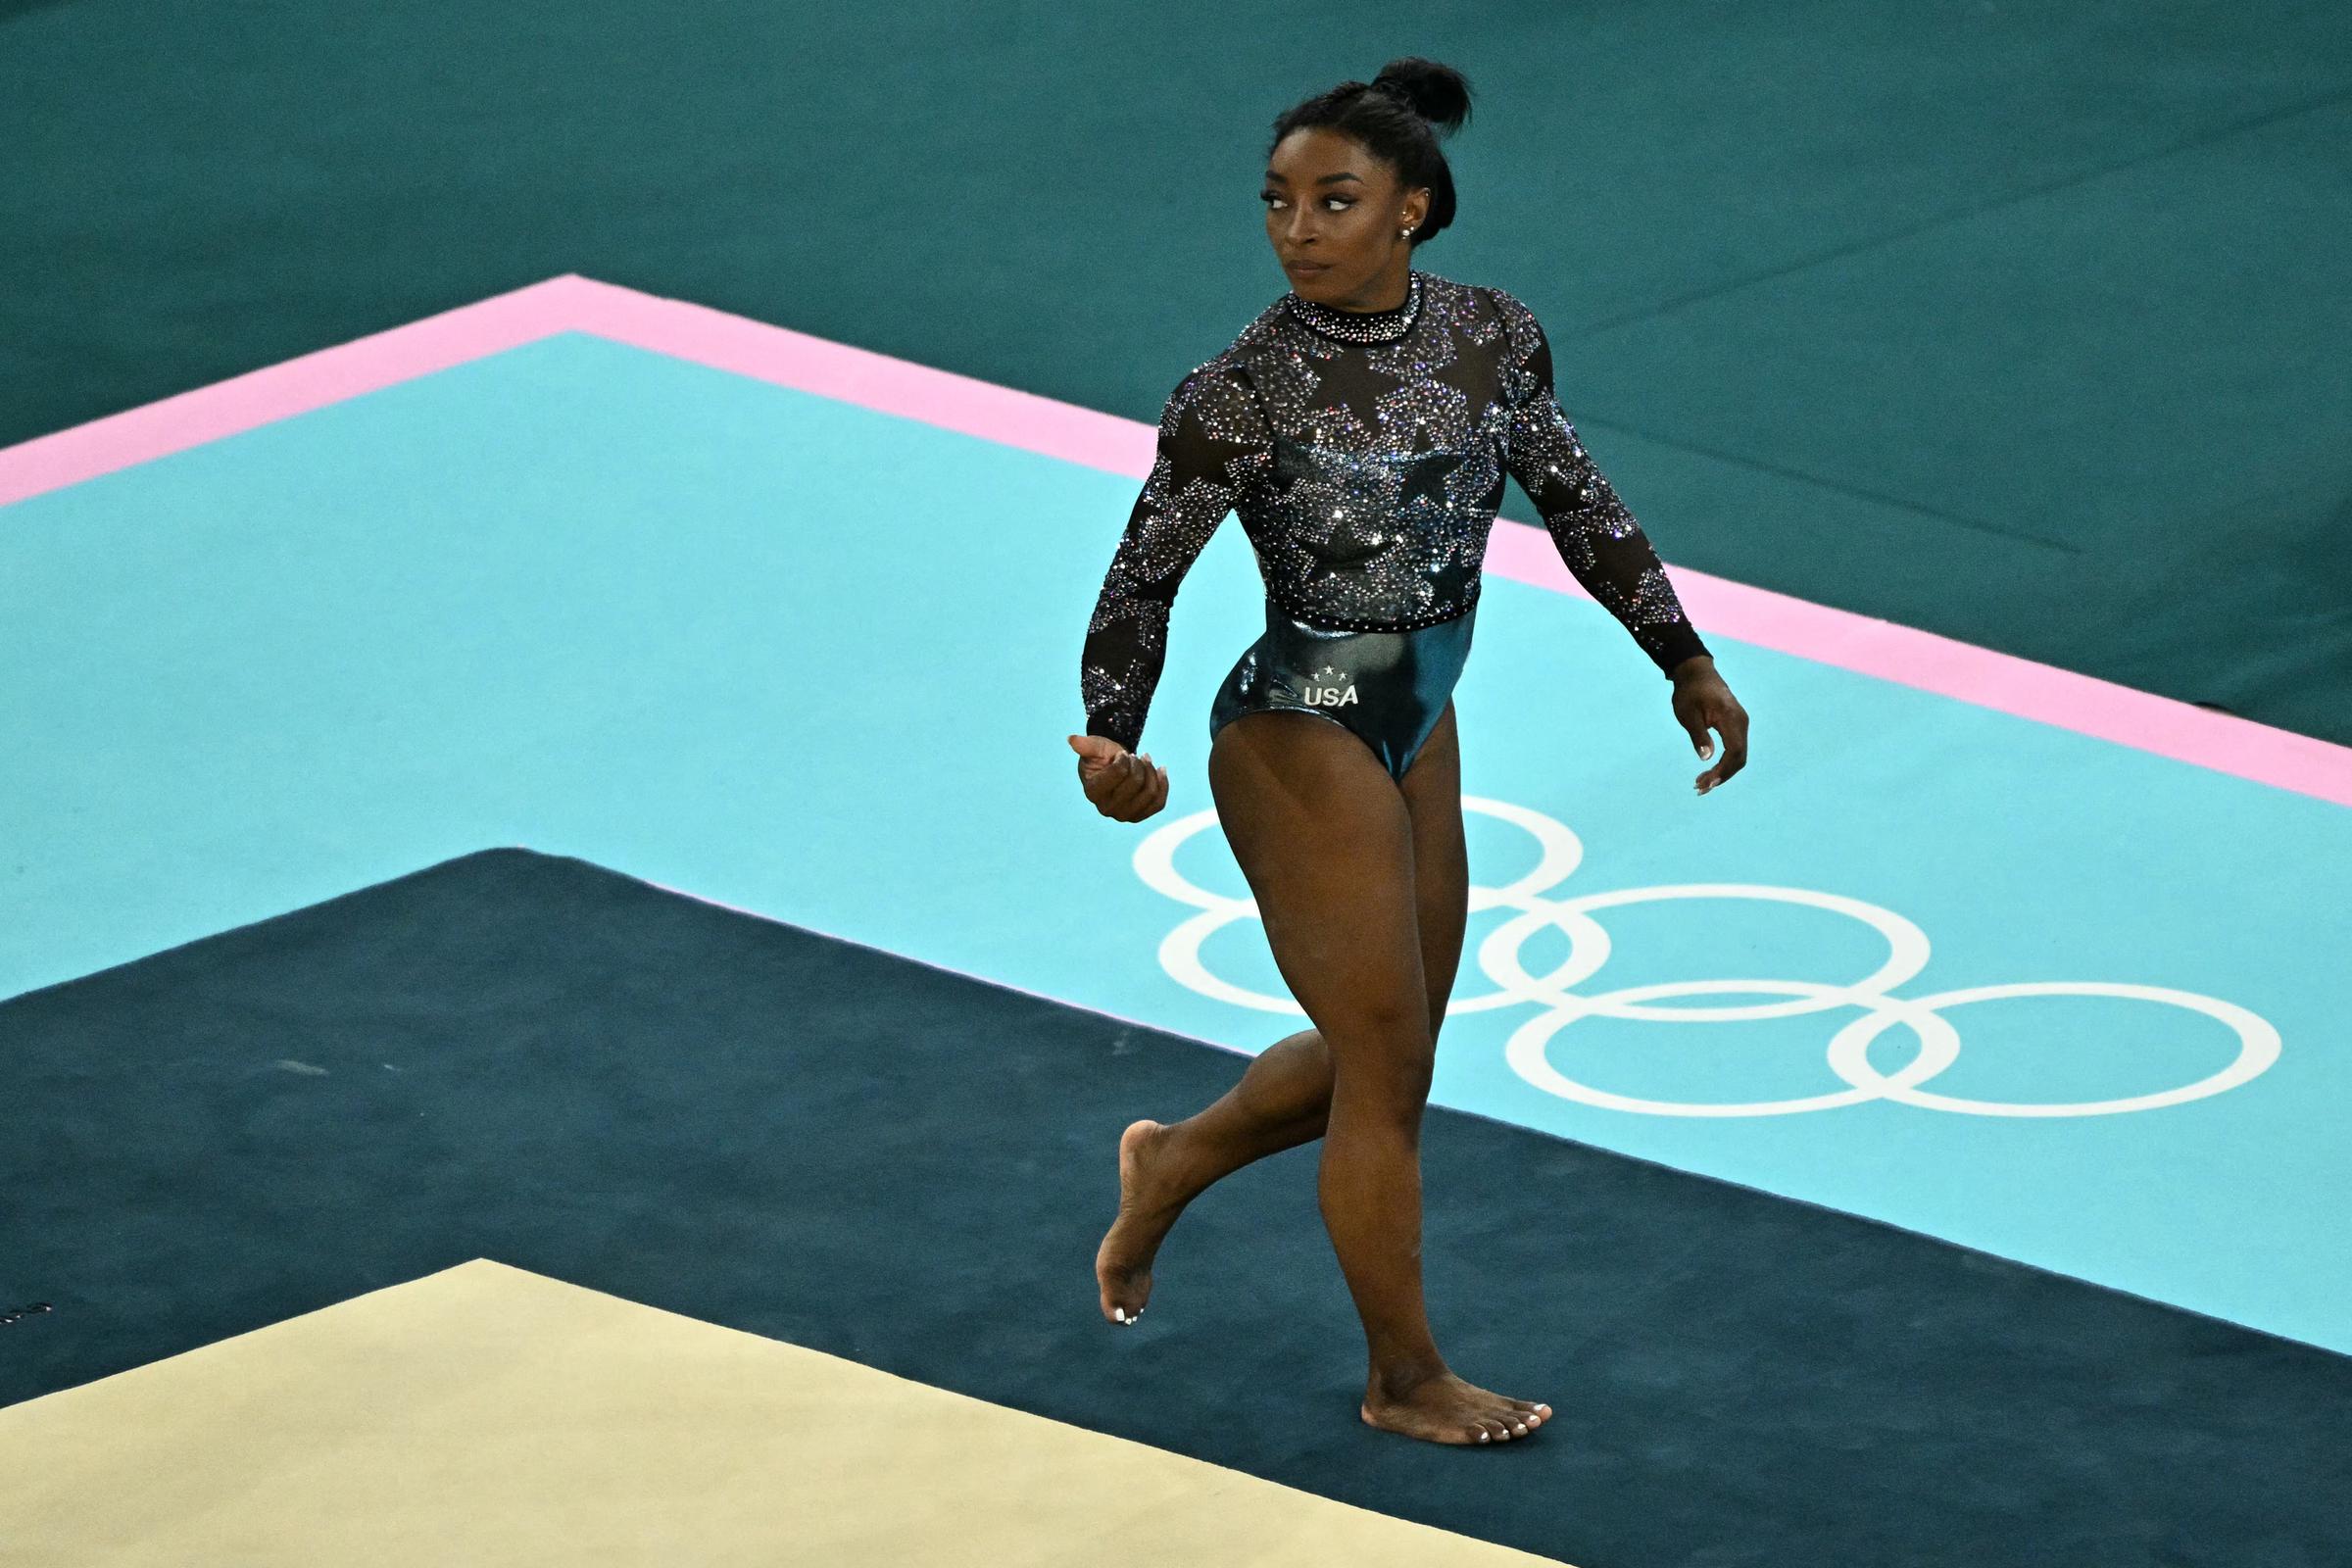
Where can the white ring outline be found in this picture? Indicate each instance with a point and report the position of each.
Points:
(1561, 852)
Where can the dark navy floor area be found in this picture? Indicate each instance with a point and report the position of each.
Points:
(534, 1059)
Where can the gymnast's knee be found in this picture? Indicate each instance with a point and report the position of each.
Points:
(1386, 1054)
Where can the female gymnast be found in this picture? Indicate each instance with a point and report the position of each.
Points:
(1361, 426)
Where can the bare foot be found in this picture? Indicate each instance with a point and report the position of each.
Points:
(1445, 1409)
(1123, 1263)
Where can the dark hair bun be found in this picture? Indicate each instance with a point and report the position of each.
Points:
(1438, 94)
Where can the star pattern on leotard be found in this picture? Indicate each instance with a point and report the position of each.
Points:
(1366, 476)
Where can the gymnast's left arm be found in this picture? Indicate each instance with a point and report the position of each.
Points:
(1604, 548)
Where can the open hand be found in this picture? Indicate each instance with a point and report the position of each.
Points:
(1702, 701)
(1122, 784)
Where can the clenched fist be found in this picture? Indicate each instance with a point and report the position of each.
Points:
(1122, 784)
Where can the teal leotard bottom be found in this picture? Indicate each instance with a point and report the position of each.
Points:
(1390, 687)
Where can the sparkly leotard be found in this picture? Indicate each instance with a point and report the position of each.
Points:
(1365, 453)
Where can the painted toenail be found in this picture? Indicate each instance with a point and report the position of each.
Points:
(1484, 1436)
(1119, 1312)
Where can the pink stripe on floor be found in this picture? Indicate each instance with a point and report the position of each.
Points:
(1890, 651)
(280, 391)
(1719, 607)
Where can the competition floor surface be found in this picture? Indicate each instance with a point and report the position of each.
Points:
(560, 986)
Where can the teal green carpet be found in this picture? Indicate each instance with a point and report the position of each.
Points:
(2024, 324)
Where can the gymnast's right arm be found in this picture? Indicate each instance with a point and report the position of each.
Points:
(1210, 442)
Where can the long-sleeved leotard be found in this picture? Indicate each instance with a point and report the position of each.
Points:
(1365, 455)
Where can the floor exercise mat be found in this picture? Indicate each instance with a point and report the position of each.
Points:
(535, 1062)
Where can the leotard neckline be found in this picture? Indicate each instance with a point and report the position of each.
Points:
(1361, 326)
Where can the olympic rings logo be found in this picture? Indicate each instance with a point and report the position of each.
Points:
(1561, 850)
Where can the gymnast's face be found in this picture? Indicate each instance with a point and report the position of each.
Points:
(1337, 218)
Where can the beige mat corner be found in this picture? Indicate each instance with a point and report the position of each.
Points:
(486, 1414)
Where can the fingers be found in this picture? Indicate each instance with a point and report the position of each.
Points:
(1110, 785)
(1127, 787)
(1733, 726)
(1152, 789)
(1693, 711)
(1732, 723)
(1134, 788)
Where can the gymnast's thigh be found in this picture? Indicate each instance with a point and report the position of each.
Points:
(1323, 838)
(1433, 799)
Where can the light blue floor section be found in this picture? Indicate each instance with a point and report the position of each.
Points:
(818, 662)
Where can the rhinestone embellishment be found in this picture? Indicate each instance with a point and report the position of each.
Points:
(1366, 454)
(1361, 326)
